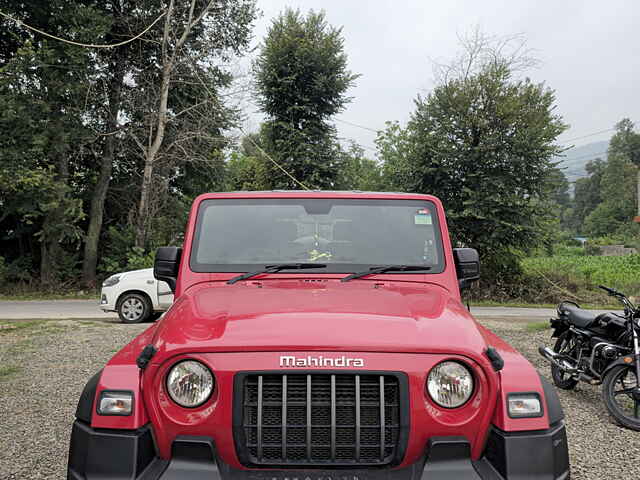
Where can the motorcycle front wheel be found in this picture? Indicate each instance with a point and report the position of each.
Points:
(619, 392)
(565, 345)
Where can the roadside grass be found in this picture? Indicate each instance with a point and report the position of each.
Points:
(538, 326)
(581, 274)
(516, 304)
(36, 295)
(35, 327)
(8, 371)
(13, 326)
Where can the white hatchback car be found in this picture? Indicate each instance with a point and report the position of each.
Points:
(136, 296)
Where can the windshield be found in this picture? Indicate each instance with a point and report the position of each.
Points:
(347, 235)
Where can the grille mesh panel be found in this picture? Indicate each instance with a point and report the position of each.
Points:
(320, 419)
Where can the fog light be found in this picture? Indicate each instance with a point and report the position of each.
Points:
(115, 403)
(524, 405)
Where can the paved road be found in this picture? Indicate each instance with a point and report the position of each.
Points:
(13, 310)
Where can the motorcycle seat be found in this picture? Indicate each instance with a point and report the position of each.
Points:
(577, 316)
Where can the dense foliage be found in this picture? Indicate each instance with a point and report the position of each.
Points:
(606, 201)
(103, 150)
(483, 143)
(302, 78)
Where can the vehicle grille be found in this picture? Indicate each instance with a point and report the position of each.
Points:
(318, 419)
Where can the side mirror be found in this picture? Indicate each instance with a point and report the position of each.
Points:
(467, 263)
(166, 265)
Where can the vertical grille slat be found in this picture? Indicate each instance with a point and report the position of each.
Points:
(382, 422)
(357, 418)
(319, 418)
(333, 418)
(309, 418)
(284, 417)
(259, 432)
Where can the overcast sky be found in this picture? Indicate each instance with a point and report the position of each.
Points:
(589, 53)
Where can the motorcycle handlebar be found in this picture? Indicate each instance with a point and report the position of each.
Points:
(610, 291)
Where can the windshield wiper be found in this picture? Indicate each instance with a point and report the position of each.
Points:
(384, 269)
(274, 269)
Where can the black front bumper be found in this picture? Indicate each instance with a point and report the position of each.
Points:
(131, 455)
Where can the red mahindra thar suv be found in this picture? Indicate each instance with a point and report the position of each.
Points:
(317, 336)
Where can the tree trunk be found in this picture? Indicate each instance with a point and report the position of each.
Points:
(152, 150)
(90, 259)
(52, 235)
(149, 160)
(169, 59)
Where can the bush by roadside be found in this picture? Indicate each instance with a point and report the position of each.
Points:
(563, 277)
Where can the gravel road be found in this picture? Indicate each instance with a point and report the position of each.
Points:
(45, 364)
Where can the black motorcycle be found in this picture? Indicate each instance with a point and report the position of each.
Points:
(600, 349)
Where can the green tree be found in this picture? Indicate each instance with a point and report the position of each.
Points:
(559, 196)
(586, 195)
(46, 137)
(302, 79)
(483, 141)
(248, 169)
(626, 144)
(357, 172)
(618, 186)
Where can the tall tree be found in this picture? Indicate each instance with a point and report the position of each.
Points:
(586, 195)
(195, 36)
(302, 79)
(43, 90)
(483, 141)
(618, 186)
(626, 143)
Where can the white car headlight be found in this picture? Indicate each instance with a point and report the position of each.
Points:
(450, 384)
(111, 281)
(524, 405)
(189, 383)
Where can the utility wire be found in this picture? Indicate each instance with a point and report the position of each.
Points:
(564, 141)
(87, 45)
(272, 160)
(589, 135)
(356, 125)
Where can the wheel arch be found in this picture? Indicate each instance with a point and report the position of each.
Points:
(136, 291)
(554, 407)
(84, 410)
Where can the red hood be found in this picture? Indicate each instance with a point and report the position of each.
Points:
(322, 315)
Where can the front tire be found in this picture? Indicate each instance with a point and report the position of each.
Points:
(134, 308)
(566, 346)
(619, 397)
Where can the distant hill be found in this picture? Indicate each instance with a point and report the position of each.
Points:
(574, 161)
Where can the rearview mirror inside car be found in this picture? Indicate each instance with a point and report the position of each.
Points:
(467, 263)
(166, 265)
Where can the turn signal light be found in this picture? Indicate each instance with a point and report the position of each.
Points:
(524, 405)
(115, 403)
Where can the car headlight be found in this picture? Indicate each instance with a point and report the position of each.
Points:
(450, 384)
(189, 383)
(524, 405)
(111, 281)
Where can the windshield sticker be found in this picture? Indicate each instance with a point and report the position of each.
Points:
(422, 217)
